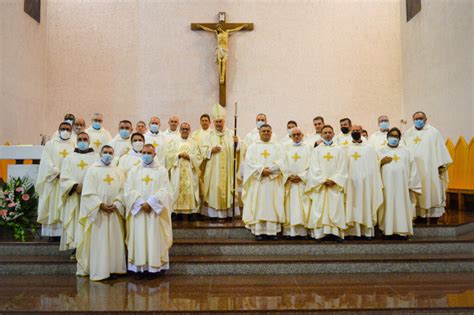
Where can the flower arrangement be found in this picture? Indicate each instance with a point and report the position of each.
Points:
(19, 206)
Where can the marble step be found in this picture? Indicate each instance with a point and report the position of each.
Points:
(243, 247)
(297, 264)
(236, 230)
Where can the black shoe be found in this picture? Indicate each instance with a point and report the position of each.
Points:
(433, 221)
(420, 220)
(53, 239)
(173, 216)
(259, 238)
(272, 237)
(140, 275)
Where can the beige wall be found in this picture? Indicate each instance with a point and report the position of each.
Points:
(437, 59)
(134, 59)
(22, 73)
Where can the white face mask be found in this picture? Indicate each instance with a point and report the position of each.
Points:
(137, 146)
(64, 134)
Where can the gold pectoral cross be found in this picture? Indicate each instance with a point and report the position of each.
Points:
(296, 157)
(64, 153)
(82, 165)
(97, 143)
(147, 179)
(396, 158)
(417, 140)
(265, 154)
(356, 156)
(328, 156)
(108, 179)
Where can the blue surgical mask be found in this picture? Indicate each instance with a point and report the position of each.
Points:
(392, 141)
(124, 133)
(327, 142)
(106, 158)
(96, 125)
(147, 158)
(83, 145)
(260, 124)
(419, 123)
(289, 131)
(154, 128)
(384, 125)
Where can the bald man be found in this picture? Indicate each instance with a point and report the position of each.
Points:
(172, 133)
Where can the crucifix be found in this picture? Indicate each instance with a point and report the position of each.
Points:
(222, 31)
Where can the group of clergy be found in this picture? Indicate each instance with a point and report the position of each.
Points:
(112, 200)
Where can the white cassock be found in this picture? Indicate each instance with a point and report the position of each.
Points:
(198, 136)
(378, 139)
(184, 175)
(121, 146)
(312, 139)
(160, 143)
(364, 194)
(101, 252)
(129, 160)
(343, 140)
(172, 135)
(47, 185)
(401, 185)
(296, 201)
(286, 140)
(263, 197)
(219, 175)
(98, 138)
(73, 171)
(327, 213)
(149, 235)
(430, 152)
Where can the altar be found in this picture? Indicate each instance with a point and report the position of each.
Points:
(22, 154)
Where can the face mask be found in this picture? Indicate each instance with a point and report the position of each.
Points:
(344, 130)
(96, 125)
(137, 146)
(64, 134)
(124, 133)
(69, 121)
(327, 142)
(289, 131)
(392, 141)
(147, 158)
(298, 143)
(154, 128)
(419, 123)
(83, 145)
(106, 158)
(384, 125)
(356, 135)
(260, 124)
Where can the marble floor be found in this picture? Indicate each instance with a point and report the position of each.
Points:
(425, 292)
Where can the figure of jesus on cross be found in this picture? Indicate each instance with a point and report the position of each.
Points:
(222, 31)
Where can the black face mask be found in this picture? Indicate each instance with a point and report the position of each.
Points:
(356, 135)
(345, 130)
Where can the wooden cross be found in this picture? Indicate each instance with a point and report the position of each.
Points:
(222, 31)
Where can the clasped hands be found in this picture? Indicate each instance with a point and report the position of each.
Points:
(184, 155)
(108, 208)
(295, 179)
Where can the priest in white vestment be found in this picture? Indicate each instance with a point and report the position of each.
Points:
(364, 194)
(101, 252)
(379, 138)
(344, 138)
(401, 186)
(48, 184)
(121, 142)
(157, 138)
(326, 186)
(99, 136)
(219, 174)
(198, 136)
(432, 160)
(265, 175)
(315, 138)
(73, 170)
(149, 198)
(172, 133)
(134, 156)
(298, 155)
(184, 160)
(287, 138)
